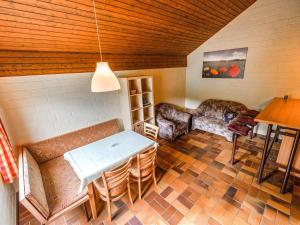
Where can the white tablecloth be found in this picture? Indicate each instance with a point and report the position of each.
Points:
(91, 160)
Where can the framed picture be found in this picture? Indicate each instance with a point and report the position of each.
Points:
(225, 63)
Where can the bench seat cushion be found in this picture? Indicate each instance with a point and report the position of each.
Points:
(61, 184)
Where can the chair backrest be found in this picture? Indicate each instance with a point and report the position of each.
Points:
(115, 181)
(150, 131)
(146, 161)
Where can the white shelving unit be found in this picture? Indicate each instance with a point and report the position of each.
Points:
(137, 102)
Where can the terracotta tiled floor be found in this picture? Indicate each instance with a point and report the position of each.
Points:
(199, 186)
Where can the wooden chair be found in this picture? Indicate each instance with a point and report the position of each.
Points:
(143, 167)
(114, 184)
(151, 131)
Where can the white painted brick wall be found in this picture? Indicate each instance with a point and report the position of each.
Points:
(271, 31)
(39, 107)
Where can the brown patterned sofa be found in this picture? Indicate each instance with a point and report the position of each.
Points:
(48, 186)
(171, 121)
(212, 116)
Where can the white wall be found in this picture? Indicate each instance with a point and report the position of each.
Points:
(271, 31)
(39, 107)
(7, 191)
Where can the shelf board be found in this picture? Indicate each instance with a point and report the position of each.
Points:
(136, 108)
(142, 107)
(147, 106)
(136, 94)
(136, 122)
(148, 118)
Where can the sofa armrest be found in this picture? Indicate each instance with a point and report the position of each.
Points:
(164, 123)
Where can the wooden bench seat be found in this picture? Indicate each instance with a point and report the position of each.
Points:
(48, 185)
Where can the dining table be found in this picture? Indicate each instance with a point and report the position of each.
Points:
(284, 114)
(91, 160)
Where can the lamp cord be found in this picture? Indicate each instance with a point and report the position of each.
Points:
(97, 27)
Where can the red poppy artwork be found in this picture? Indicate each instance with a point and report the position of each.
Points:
(234, 71)
(225, 63)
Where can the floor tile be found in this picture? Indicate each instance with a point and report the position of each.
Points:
(198, 185)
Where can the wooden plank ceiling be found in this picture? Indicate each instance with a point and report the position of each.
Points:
(59, 36)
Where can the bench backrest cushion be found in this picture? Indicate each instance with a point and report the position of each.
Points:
(216, 108)
(54, 147)
(34, 190)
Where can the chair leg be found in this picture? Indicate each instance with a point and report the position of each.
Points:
(140, 188)
(252, 132)
(109, 210)
(129, 193)
(154, 178)
(233, 148)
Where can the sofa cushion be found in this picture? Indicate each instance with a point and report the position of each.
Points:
(210, 109)
(33, 184)
(61, 184)
(229, 115)
(54, 147)
(212, 125)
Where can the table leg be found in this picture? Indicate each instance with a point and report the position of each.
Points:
(290, 162)
(92, 200)
(233, 147)
(252, 132)
(277, 131)
(264, 154)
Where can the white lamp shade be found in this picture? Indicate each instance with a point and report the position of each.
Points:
(104, 79)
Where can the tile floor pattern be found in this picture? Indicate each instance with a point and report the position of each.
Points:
(199, 186)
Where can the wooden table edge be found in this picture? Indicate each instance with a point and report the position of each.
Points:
(276, 123)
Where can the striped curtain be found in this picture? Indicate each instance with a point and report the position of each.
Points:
(8, 166)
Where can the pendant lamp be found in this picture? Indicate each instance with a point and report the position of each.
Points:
(103, 79)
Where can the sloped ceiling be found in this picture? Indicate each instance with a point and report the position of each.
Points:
(59, 36)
